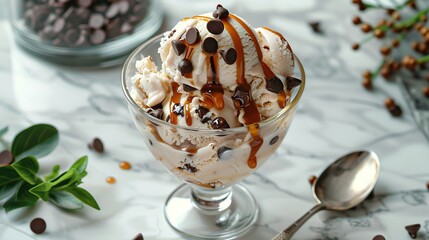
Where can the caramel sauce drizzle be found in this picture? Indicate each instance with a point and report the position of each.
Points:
(187, 109)
(212, 96)
(281, 100)
(251, 113)
(175, 99)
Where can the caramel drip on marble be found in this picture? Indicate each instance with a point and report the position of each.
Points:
(175, 99)
(251, 113)
(185, 146)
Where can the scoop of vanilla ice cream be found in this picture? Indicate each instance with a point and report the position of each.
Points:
(261, 54)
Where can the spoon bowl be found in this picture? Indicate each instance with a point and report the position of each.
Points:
(347, 181)
(343, 185)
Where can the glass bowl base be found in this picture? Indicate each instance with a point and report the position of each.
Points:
(191, 222)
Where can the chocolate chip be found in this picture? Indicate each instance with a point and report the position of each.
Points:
(395, 111)
(138, 237)
(123, 7)
(188, 88)
(58, 25)
(215, 26)
(38, 225)
(6, 158)
(185, 66)
(96, 20)
(229, 56)
(84, 3)
(71, 37)
(274, 140)
(292, 82)
(222, 150)
(158, 113)
(378, 237)
(112, 11)
(150, 142)
(202, 112)
(219, 123)
(126, 28)
(242, 95)
(274, 85)
(178, 109)
(210, 45)
(413, 230)
(189, 168)
(98, 36)
(97, 145)
(192, 36)
(315, 26)
(178, 47)
(220, 12)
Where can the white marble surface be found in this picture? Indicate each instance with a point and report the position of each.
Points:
(335, 116)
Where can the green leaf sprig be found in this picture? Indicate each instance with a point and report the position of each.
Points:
(22, 186)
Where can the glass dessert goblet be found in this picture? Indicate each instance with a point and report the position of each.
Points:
(210, 204)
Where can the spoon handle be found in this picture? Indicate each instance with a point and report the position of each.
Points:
(293, 228)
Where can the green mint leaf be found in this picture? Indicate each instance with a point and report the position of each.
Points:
(65, 200)
(8, 189)
(70, 178)
(3, 131)
(8, 175)
(84, 196)
(42, 190)
(22, 198)
(80, 165)
(54, 173)
(37, 140)
(27, 168)
(9, 180)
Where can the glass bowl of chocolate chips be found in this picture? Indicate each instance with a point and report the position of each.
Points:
(84, 32)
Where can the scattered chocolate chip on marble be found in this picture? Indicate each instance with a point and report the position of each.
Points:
(378, 237)
(192, 36)
(274, 85)
(220, 12)
(219, 123)
(96, 145)
(274, 140)
(210, 45)
(38, 225)
(178, 47)
(413, 230)
(215, 26)
(315, 26)
(139, 236)
(185, 66)
(6, 158)
(222, 150)
(242, 95)
(292, 82)
(229, 56)
(150, 142)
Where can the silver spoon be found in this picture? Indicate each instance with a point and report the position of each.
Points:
(342, 186)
